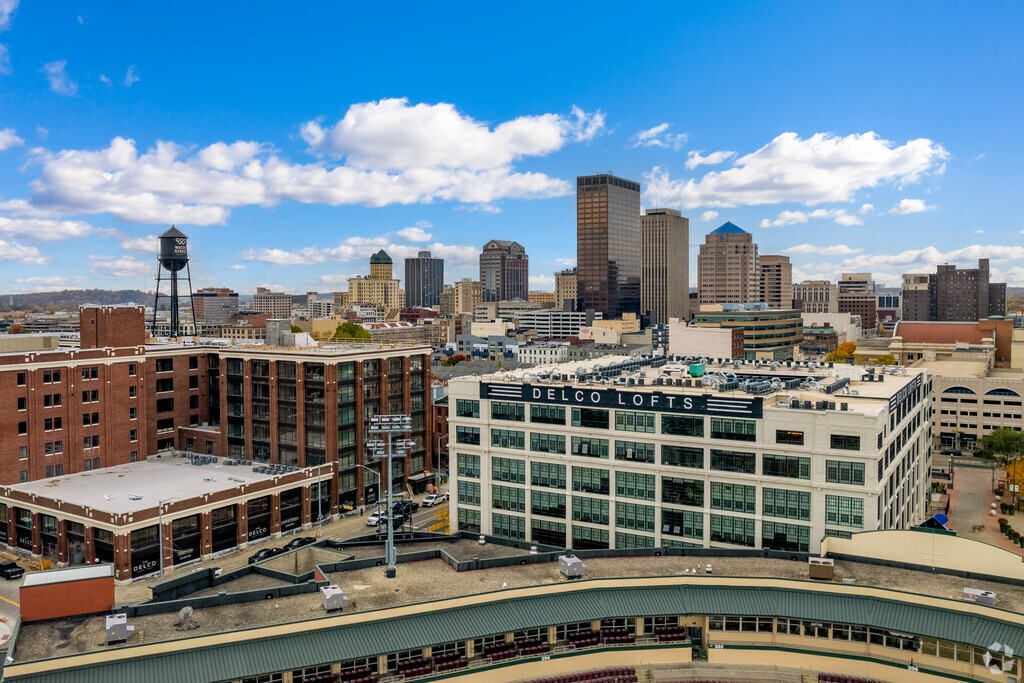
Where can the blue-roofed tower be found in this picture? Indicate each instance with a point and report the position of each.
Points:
(727, 268)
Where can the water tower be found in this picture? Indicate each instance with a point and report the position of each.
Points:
(173, 258)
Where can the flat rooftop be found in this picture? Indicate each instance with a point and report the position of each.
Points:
(368, 589)
(138, 486)
(804, 382)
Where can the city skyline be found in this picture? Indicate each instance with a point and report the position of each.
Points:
(290, 176)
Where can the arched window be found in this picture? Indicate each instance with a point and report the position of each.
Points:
(958, 390)
(1001, 392)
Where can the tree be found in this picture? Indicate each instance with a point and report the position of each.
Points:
(842, 352)
(350, 331)
(1002, 445)
(296, 329)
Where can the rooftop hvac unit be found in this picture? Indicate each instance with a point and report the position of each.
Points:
(821, 405)
(332, 598)
(837, 385)
(808, 405)
(831, 405)
(118, 628)
(844, 406)
(979, 596)
(571, 566)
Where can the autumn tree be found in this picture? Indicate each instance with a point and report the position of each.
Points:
(349, 331)
(842, 352)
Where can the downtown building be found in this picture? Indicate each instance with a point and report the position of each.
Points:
(727, 267)
(665, 260)
(608, 245)
(424, 280)
(504, 271)
(121, 403)
(953, 295)
(619, 453)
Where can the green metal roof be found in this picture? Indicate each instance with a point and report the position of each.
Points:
(437, 625)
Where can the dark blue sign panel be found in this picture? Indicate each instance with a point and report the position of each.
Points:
(704, 404)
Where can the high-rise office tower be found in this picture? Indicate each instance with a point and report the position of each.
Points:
(379, 289)
(215, 305)
(727, 268)
(916, 294)
(504, 271)
(565, 289)
(424, 279)
(665, 265)
(608, 244)
(272, 304)
(468, 293)
(816, 296)
(776, 281)
(954, 295)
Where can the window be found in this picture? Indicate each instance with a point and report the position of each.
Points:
(506, 469)
(163, 385)
(633, 516)
(131, 369)
(193, 382)
(467, 408)
(90, 373)
(785, 466)
(164, 405)
(843, 511)
(547, 443)
(588, 480)
(469, 493)
(789, 437)
(553, 415)
(733, 429)
(22, 403)
(629, 421)
(132, 413)
(733, 497)
(732, 461)
(468, 465)
(682, 523)
(22, 476)
(591, 510)
(514, 412)
(735, 530)
(624, 540)
(840, 472)
(467, 435)
(547, 503)
(785, 503)
(469, 520)
(682, 425)
(22, 452)
(634, 485)
(22, 428)
(634, 451)
(164, 364)
(131, 392)
(193, 362)
(133, 435)
(548, 533)
(508, 498)
(21, 379)
(509, 526)
(594, 448)
(791, 537)
(165, 425)
(682, 456)
(592, 418)
(193, 403)
(548, 475)
(584, 538)
(506, 438)
(846, 443)
(682, 491)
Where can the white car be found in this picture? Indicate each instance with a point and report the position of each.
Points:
(374, 519)
(434, 499)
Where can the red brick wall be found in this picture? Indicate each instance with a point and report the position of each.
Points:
(112, 326)
(67, 600)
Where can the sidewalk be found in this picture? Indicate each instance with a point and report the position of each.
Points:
(970, 503)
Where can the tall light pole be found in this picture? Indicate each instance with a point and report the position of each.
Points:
(160, 530)
(380, 490)
(389, 426)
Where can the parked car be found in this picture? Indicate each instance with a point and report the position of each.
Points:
(10, 570)
(265, 554)
(407, 506)
(373, 519)
(434, 499)
(298, 542)
(952, 451)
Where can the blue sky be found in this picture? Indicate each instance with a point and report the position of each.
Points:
(290, 142)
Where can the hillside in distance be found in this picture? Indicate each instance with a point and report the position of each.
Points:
(73, 298)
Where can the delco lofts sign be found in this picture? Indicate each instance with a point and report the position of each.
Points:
(705, 404)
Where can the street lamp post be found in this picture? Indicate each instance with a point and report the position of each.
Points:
(160, 530)
(380, 490)
(389, 426)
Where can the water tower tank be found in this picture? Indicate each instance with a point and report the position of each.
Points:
(173, 250)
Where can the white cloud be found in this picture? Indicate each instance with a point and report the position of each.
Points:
(150, 244)
(929, 257)
(8, 139)
(658, 137)
(865, 209)
(542, 282)
(416, 234)
(709, 216)
(273, 288)
(42, 132)
(58, 78)
(106, 80)
(81, 21)
(130, 77)
(45, 230)
(120, 266)
(566, 262)
(5, 61)
(335, 280)
(391, 135)
(910, 206)
(22, 208)
(168, 184)
(7, 8)
(834, 250)
(355, 249)
(979, 232)
(694, 158)
(840, 216)
(822, 168)
(12, 251)
(43, 284)
(236, 266)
